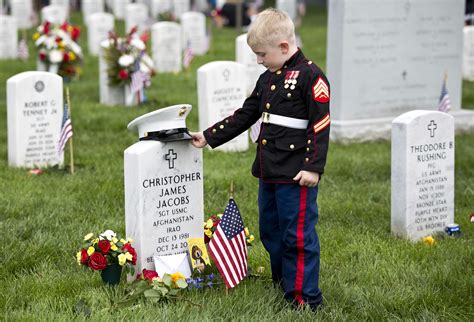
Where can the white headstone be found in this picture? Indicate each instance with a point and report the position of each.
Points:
(54, 14)
(385, 58)
(90, 7)
(220, 92)
(288, 6)
(194, 32)
(468, 54)
(163, 189)
(245, 56)
(8, 37)
(63, 3)
(100, 24)
(166, 46)
(118, 8)
(180, 7)
(201, 5)
(137, 15)
(35, 112)
(422, 173)
(160, 6)
(22, 10)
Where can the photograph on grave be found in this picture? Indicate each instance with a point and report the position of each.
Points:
(422, 174)
(163, 186)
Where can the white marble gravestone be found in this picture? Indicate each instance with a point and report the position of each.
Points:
(167, 46)
(288, 6)
(8, 37)
(35, 111)
(118, 8)
(194, 32)
(220, 92)
(385, 58)
(468, 53)
(200, 5)
(245, 56)
(63, 3)
(54, 14)
(422, 173)
(22, 10)
(163, 188)
(180, 6)
(137, 15)
(90, 7)
(100, 24)
(160, 6)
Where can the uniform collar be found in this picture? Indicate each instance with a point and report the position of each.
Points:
(294, 59)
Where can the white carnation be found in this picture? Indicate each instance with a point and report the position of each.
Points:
(55, 56)
(108, 234)
(137, 43)
(125, 60)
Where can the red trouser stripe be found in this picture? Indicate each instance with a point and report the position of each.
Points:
(300, 247)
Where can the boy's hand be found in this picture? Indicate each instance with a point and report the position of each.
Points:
(307, 178)
(199, 141)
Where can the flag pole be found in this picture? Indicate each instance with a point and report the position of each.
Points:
(71, 150)
(231, 190)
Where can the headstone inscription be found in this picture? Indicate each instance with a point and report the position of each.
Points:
(194, 32)
(163, 186)
(288, 6)
(245, 56)
(468, 53)
(167, 46)
(35, 112)
(22, 10)
(220, 92)
(90, 7)
(100, 24)
(403, 49)
(8, 37)
(137, 15)
(422, 173)
(54, 14)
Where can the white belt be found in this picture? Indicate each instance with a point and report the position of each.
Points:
(290, 122)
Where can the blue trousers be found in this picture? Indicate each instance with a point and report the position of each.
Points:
(288, 216)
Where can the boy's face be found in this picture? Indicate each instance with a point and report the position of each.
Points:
(272, 57)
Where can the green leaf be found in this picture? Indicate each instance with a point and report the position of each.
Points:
(152, 293)
(174, 292)
(167, 280)
(162, 289)
(181, 283)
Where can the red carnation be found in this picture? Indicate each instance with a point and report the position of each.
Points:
(147, 275)
(97, 261)
(75, 33)
(66, 57)
(84, 256)
(128, 248)
(58, 40)
(64, 26)
(123, 74)
(42, 56)
(144, 37)
(104, 246)
(46, 27)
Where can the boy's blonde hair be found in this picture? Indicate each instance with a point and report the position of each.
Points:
(270, 27)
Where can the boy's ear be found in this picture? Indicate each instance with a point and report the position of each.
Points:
(284, 47)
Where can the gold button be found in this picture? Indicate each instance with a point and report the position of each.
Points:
(292, 146)
(264, 141)
(310, 62)
(267, 105)
(145, 134)
(227, 121)
(273, 87)
(221, 126)
(285, 66)
(214, 130)
(289, 94)
(309, 141)
(307, 149)
(306, 159)
(278, 72)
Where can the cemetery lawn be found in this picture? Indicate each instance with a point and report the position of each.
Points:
(366, 273)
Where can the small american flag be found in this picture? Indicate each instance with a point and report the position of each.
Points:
(255, 130)
(138, 79)
(66, 130)
(23, 53)
(188, 55)
(444, 104)
(228, 246)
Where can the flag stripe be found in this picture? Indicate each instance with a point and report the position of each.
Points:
(224, 248)
(222, 269)
(231, 274)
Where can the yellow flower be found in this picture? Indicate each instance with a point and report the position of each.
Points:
(69, 28)
(208, 233)
(209, 224)
(113, 246)
(128, 256)
(114, 240)
(61, 44)
(122, 259)
(429, 240)
(88, 236)
(219, 215)
(157, 279)
(72, 56)
(36, 35)
(78, 257)
(129, 240)
(250, 239)
(177, 276)
(246, 229)
(95, 241)
(123, 241)
(90, 250)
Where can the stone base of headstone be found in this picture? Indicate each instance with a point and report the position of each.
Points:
(365, 130)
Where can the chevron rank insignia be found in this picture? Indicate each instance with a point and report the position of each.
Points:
(320, 91)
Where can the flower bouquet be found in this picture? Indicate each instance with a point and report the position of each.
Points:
(58, 51)
(107, 253)
(128, 64)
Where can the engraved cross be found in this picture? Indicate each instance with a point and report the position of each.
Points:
(170, 157)
(432, 127)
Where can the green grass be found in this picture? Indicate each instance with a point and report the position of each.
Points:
(366, 273)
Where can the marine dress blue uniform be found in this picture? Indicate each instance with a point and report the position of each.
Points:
(293, 103)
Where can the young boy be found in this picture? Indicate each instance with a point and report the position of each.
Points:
(292, 99)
